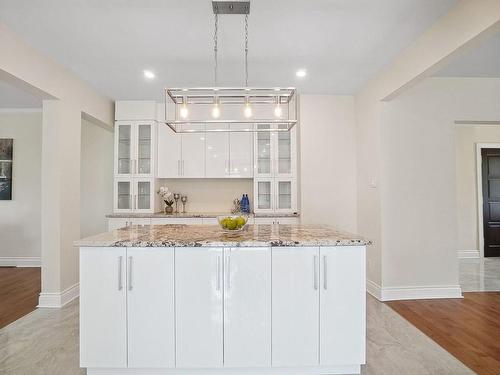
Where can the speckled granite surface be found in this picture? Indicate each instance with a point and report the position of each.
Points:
(189, 215)
(213, 236)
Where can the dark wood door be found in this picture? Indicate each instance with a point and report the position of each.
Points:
(491, 201)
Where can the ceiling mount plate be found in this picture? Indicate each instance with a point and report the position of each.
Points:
(231, 7)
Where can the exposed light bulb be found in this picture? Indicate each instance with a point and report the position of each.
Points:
(216, 110)
(248, 111)
(278, 112)
(184, 111)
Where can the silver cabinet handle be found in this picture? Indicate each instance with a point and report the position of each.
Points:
(228, 272)
(129, 273)
(218, 273)
(315, 265)
(178, 167)
(130, 202)
(136, 203)
(120, 281)
(325, 268)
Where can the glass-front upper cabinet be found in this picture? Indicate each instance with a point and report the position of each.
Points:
(134, 146)
(285, 195)
(123, 195)
(263, 151)
(144, 195)
(123, 149)
(284, 152)
(263, 195)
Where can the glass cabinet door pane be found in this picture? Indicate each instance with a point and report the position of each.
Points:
(124, 195)
(144, 149)
(284, 194)
(124, 148)
(264, 195)
(263, 150)
(143, 195)
(284, 152)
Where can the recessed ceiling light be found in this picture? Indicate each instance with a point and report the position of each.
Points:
(301, 73)
(148, 74)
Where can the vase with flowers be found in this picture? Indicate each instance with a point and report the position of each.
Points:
(167, 197)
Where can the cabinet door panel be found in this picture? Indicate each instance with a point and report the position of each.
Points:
(198, 306)
(169, 152)
(241, 152)
(343, 300)
(103, 307)
(145, 149)
(263, 152)
(150, 307)
(295, 306)
(193, 153)
(124, 148)
(264, 195)
(217, 154)
(123, 195)
(144, 195)
(247, 304)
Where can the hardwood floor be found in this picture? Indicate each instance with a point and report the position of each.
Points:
(19, 290)
(468, 328)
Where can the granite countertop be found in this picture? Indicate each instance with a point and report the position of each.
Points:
(213, 236)
(190, 215)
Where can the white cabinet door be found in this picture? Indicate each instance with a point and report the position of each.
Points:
(169, 153)
(176, 220)
(124, 150)
(343, 305)
(193, 153)
(285, 195)
(217, 155)
(263, 152)
(150, 306)
(241, 152)
(198, 306)
(295, 306)
(247, 307)
(123, 195)
(103, 307)
(264, 195)
(144, 195)
(145, 137)
(285, 153)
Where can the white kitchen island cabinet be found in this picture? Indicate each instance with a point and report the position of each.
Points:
(179, 300)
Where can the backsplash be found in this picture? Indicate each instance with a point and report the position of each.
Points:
(210, 194)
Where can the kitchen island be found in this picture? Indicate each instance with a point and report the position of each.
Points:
(181, 299)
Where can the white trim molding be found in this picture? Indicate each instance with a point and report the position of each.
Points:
(57, 300)
(468, 254)
(20, 262)
(412, 292)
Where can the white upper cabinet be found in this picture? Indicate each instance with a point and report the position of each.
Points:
(169, 152)
(103, 307)
(247, 307)
(241, 152)
(275, 152)
(343, 305)
(150, 307)
(275, 195)
(199, 307)
(217, 155)
(193, 153)
(295, 306)
(263, 152)
(135, 148)
(134, 194)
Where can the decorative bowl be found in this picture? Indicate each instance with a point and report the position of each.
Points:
(232, 223)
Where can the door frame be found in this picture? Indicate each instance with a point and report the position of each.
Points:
(479, 189)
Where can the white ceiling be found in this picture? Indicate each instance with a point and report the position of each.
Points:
(482, 60)
(341, 43)
(12, 97)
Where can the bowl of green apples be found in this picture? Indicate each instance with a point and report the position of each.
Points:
(232, 223)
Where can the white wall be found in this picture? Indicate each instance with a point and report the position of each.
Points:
(96, 178)
(418, 194)
(20, 217)
(328, 161)
(210, 194)
(466, 138)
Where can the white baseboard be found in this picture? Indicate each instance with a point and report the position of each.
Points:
(20, 262)
(413, 292)
(468, 254)
(57, 300)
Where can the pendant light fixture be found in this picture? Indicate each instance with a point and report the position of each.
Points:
(216, 107)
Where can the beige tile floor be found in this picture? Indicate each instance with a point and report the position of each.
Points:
(46, 342)
(480, 275)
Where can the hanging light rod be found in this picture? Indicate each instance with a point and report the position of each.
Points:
(231, 7)
(215, 109)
